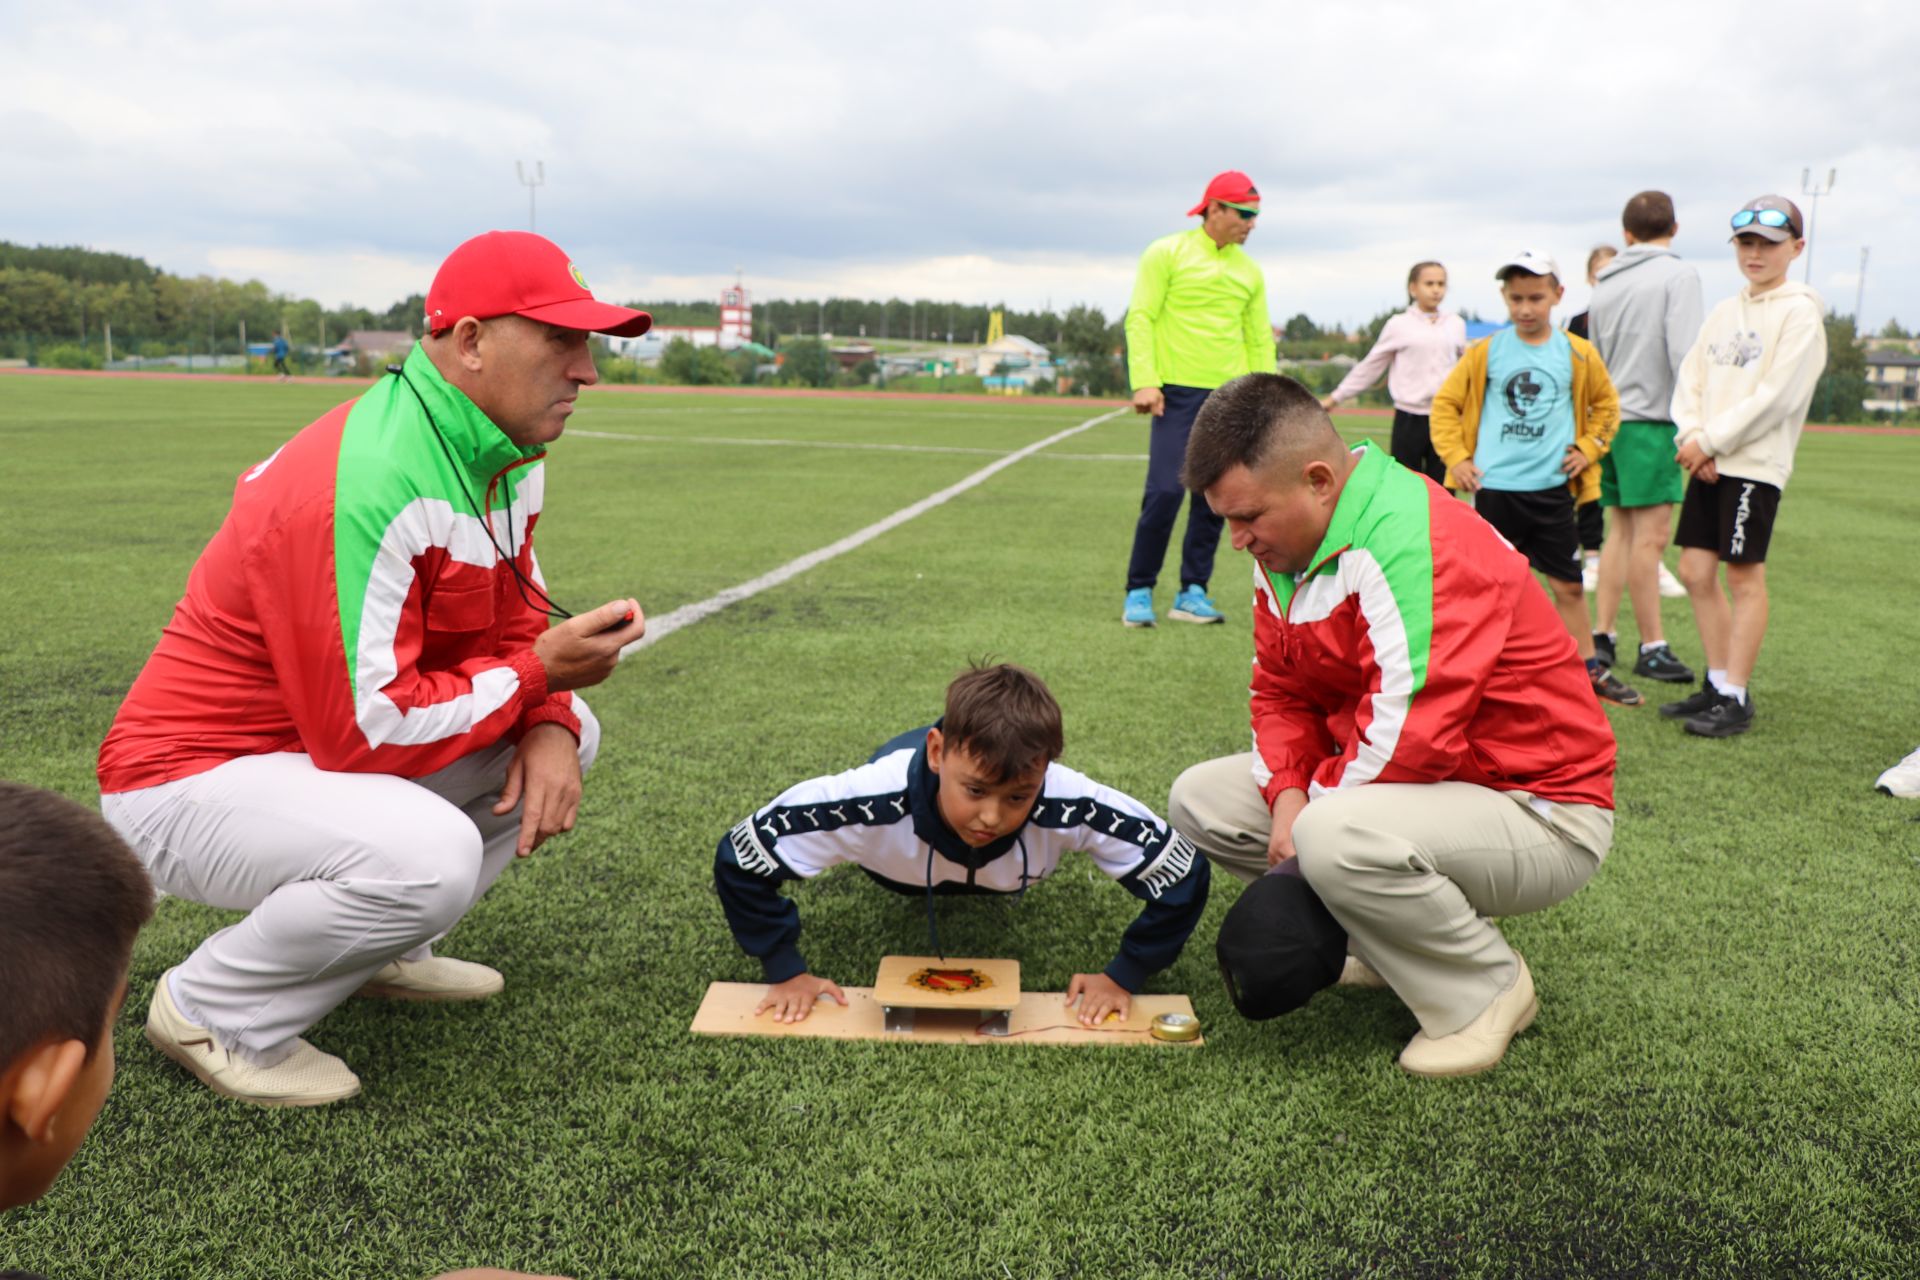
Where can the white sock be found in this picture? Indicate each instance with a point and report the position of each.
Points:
(1738, 692)
(1717, 677)
(1650, 646)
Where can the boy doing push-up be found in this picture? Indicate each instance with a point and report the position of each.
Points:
(974, 804)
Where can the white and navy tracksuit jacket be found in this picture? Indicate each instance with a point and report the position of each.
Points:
(883, 817)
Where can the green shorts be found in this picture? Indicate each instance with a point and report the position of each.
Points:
(1639, 471)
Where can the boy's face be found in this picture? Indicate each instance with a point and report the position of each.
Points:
(979, 810)
(38, 1163)
(1764, 262)
(1530, 303)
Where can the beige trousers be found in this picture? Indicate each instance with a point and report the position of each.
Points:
(1410, 871)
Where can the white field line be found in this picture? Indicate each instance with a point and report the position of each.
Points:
(862, 414)
(839, 444)
(686, 615)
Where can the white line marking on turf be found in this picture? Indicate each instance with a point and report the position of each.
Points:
(686, 615)
(839, 444)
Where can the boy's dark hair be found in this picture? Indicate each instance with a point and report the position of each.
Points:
(1649, 216)
(1249, 422)
(72, 897)
(1005, 718)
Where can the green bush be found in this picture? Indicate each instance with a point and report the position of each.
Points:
(68, 355)
(618, 370)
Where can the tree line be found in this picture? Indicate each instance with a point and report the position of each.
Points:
(68, 296)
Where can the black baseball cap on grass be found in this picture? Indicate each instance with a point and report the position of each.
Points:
(1278, 945)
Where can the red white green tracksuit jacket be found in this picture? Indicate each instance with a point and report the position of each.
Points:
(352, 606)
(1418, 648)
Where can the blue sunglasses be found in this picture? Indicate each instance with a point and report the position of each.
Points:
(1766, 218)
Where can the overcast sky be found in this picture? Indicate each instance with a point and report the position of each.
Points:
(1023, 153)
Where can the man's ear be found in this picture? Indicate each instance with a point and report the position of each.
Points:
(1317, 475)
(466, 343)
(936, 749)
(38, 1084)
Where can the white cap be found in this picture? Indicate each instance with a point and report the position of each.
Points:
(1535, 262)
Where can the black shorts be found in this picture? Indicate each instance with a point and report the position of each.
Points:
(1540, 525)
(1731, 517)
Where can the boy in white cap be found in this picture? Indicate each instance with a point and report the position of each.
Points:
(1550, 412)
(1739, 403)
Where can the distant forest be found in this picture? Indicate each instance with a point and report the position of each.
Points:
(68, 295)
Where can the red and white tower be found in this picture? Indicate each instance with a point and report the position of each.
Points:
(736, 316)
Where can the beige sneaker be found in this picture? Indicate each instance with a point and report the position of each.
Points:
(305, 1078)
(435, 978)
(1480, 1044)
(1358, 973)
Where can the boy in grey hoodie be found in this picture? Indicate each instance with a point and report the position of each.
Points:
(1644, 316)
(1739, 403)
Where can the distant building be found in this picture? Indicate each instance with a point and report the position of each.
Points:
(1893, 379)
(852, 355)
(1010, 354)
(381, 346)
(369, 350)
(734, 330)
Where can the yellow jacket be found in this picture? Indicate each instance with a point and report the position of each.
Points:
(1455, 422)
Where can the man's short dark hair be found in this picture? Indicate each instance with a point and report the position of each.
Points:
(1649, 216)
(1248, 422)
(1005, 718)
(72, 898)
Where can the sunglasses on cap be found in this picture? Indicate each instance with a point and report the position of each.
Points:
(1765, 217)
(1247, 215)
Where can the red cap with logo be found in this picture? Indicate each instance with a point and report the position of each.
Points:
(517, 273)
(1231, 187)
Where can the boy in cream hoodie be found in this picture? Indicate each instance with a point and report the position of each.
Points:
(1738, 404)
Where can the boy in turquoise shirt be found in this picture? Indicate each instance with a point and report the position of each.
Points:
(1521, 422)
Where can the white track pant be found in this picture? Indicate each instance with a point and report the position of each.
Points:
(341, 873)
(1411, 871)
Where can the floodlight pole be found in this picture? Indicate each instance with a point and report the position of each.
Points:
(1860, 294)
(1813, 194)
(538, 180)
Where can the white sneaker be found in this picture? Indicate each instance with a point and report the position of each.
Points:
(1358, 973)
(305, 1078)
(1671, 587)
(1480, 1044)
(1903, 779)
(435, 978)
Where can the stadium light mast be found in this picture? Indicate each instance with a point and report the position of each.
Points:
(538, 180)
(1813, 193)
(1860, 294)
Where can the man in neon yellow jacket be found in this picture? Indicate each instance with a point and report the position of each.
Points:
(1198, 318)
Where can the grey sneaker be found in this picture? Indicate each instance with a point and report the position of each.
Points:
(1603, 649)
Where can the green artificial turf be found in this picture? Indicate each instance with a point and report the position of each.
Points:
(1722, 1081)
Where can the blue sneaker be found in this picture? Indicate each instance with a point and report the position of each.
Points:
(1139, 610)
(1192, 605)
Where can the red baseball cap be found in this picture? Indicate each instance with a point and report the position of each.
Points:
(1231, 187)
(518, 273)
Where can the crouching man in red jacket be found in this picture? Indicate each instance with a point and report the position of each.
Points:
(1426, 743)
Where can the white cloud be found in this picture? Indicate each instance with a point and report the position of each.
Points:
(999, 151)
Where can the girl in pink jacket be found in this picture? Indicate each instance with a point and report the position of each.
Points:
(1420, 344)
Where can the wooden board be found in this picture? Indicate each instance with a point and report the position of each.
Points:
(896, 985)
(1042, 1017)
